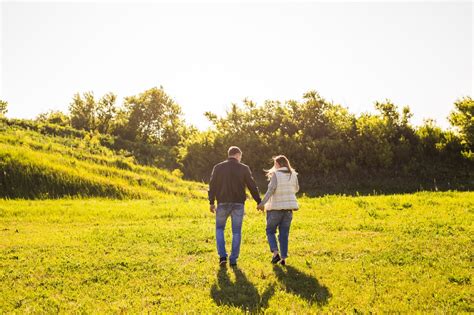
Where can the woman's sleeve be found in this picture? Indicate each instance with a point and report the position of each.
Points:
(297, 185)
(271, 189)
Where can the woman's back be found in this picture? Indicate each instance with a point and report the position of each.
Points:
(287, 186)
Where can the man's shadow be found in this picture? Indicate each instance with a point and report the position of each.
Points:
(302, 285)
(241, 293)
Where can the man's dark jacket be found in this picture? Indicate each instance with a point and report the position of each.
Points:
(228, 182)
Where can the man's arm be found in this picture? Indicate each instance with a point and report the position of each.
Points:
(252, 186)
(212, 187)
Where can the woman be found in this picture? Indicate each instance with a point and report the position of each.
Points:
(279, 203)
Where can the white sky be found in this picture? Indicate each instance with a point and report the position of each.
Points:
(209, 55)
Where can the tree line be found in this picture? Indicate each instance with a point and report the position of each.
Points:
(334, 150)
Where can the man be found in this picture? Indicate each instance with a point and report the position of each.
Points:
(227, 185)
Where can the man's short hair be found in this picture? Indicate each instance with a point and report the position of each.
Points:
(233, 151)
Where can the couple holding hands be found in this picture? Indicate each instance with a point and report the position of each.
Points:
(227, 185)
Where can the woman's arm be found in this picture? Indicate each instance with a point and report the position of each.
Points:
(271, 189)
(297, 184)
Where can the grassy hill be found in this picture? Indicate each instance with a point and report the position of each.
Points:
(35, 165)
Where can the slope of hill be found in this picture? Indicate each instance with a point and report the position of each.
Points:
(35, 165)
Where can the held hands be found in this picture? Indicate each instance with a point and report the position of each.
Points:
(260, 207)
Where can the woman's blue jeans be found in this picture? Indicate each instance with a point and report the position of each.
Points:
(280, 219)
(236, 212)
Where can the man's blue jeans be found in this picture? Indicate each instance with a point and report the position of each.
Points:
(280, 219)
(236, 212)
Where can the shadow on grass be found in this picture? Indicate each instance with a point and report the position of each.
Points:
(305, 286)
(241, 293)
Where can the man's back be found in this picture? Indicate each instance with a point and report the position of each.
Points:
(228, 182)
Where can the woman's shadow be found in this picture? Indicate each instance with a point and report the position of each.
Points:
(305, 286)
(241, 293)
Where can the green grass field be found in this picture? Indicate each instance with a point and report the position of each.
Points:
(399, 253)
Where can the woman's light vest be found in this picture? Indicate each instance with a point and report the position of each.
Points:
(284, 197)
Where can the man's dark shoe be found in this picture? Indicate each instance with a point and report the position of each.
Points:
(276, 258)
(233, 264)
(222, 261)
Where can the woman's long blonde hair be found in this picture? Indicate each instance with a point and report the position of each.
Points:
(283, 162)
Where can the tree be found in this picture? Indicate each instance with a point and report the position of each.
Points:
(83, 111)
(153, 117)
(373, 149)
(199, 152)
(92, 115)
(54, 117)
(3, 108)
(462, 117)
(106, 112)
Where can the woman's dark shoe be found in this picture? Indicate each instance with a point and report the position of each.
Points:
(222, 261)
(276, 258)
(282, 262)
